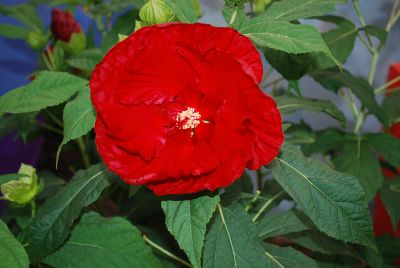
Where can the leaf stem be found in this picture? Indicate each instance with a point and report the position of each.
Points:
(266, 205)
(384, 87)
(48, 127)
(234, 15)
(54, 118)
(166, 252)
(82, 149)
(33, 208)
(253, 200)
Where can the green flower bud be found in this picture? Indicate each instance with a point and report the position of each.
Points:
(155, 12)
(23, 190)
(139, 24)
(36, 41)
(76, 44)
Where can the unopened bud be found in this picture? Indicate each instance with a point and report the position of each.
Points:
(156, 12)
(36, 40)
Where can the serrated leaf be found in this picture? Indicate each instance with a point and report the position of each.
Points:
(286, 257)
(390, 195)
(334, 201)
(104, 242)
(284, 36)
(232, 241)
(52, 223)
(186, 220)
(78, 117)
(333, 79)
(290, 10)
(12, 253)
(48, 89)
(387, 145)
(288, 104)
(10, 177)
(283, 223)
(12, 31)
(184, 10)
(86, 60)
(359, 160)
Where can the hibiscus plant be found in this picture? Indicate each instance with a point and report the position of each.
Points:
(168, 142)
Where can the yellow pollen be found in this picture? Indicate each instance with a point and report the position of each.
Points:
(190, 118)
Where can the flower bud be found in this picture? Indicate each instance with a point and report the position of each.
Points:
(155, 12)
(23, 190)
(36, 40)
(76, 43)
(63, 25)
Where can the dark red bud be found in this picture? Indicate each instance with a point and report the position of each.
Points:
(63, 25)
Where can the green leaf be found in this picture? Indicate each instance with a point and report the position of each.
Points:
(186, 220)
(285, 36)
(379, 33)
(387, 145)
(288, 104)
(326, 140)
(104, 242)
(359, 160)
(283, 223)
(48, 89)
(340, 41)
(390, 194)
(12, 253)
(334, 201)
(12, 31)
(319, 242)
(290, 10)
(52, 223)
(232, 241)
(282, 257)
(86, 60)
(26, 14)
(391, 106)
(10, 177)
(227, 13)
(79, 117)
(333, 79)
(184, 10)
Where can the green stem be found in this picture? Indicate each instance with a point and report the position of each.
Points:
(82, 149)
(253, 200)
(54, 118)
(33, 208)
(266, 205)
(383, 88)
(234, 15)
(362, 20)
(165, 252)
(48, 127)
(260, 182)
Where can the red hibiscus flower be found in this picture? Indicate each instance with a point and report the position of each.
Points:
(179, 109)
(63, 25)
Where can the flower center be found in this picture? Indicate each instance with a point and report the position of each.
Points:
(188, 119)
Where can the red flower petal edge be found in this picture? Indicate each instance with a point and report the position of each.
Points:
(179, 109)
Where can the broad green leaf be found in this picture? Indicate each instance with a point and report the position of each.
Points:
(10, 177)
(12, 253)
(326, 140)
(284, 36)
(319, 242)
(390, 194)
(232, 241)
(334, 201)
(184, 10)
(333, 79)
(287, 257)
(391, 106)
(86, 60)
(26, 14)
(79, 117)
(290, 10)
(358, 159)
(12, 31)
(48, 89)
(52, 223)
(186, 220)
(301, 136)
(340, 41)
(379, 33)
(104, 242)
(288, 104)
(283, 223)
(387, 145)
